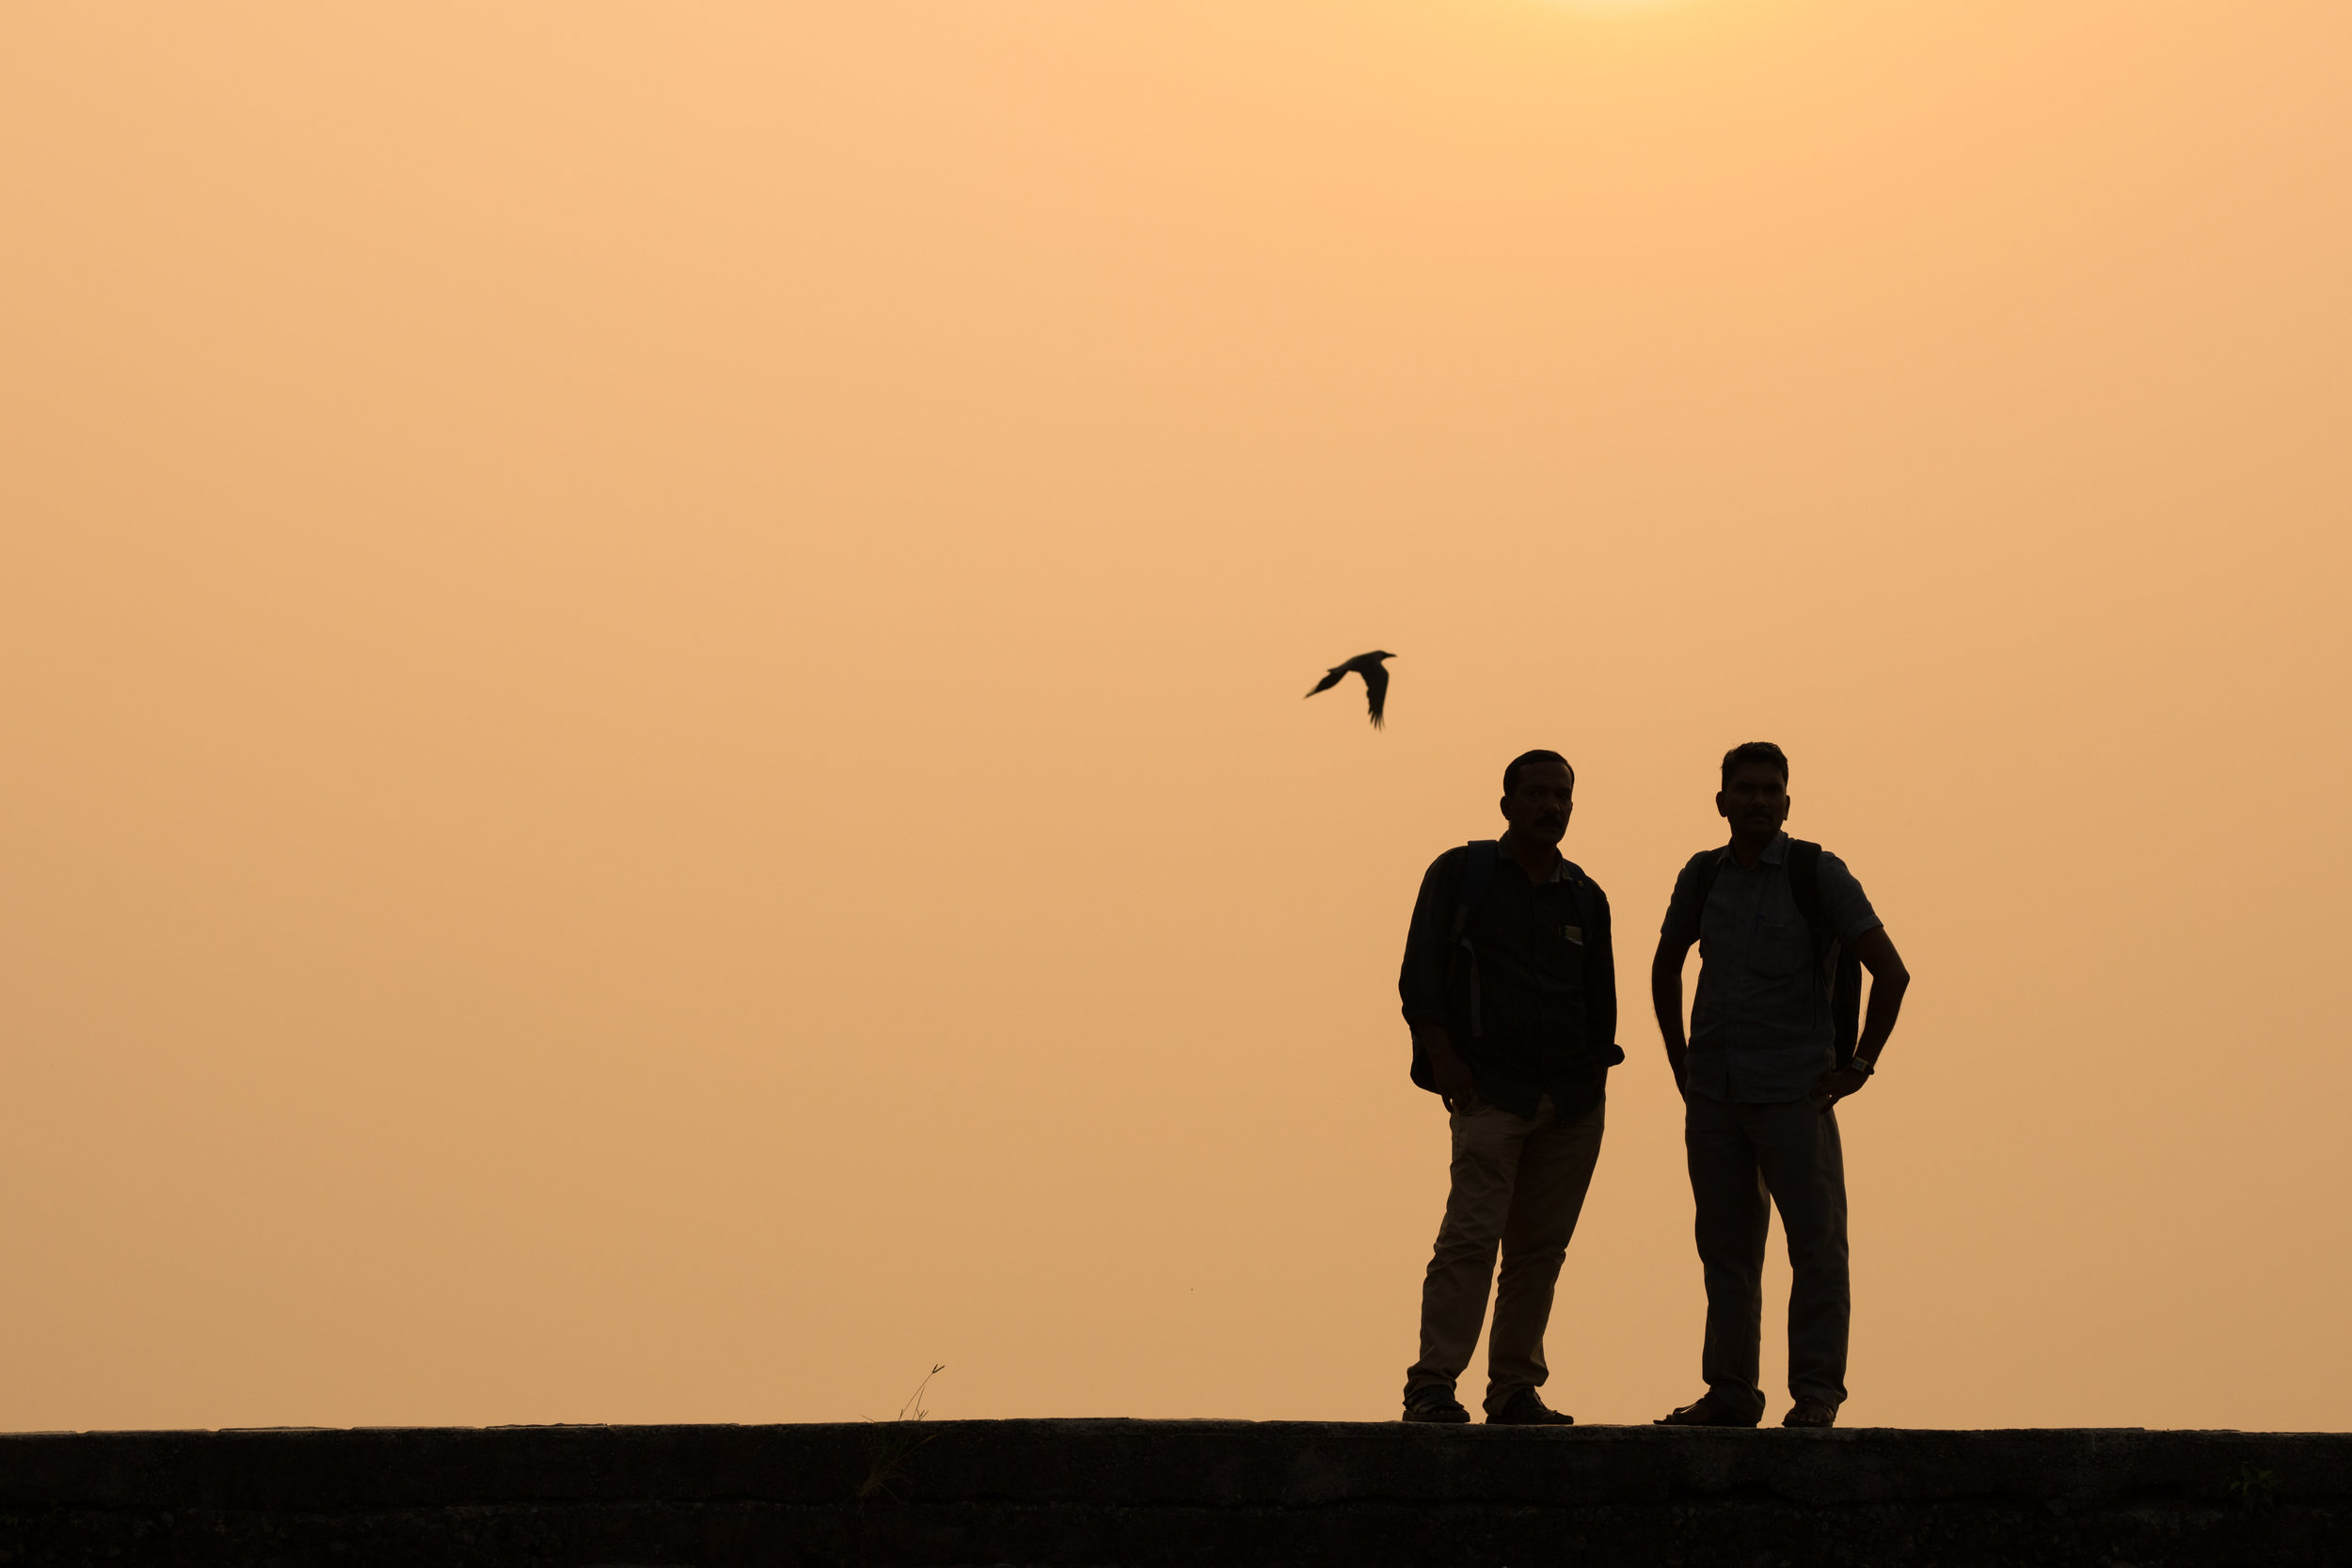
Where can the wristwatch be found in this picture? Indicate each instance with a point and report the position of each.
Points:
(1862, 1065)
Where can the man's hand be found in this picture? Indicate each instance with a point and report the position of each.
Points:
(1831, 1087)
(1456, 1085)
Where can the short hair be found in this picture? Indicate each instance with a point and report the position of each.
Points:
(1756, 751)
(1528, 759)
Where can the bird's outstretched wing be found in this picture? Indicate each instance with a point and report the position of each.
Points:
(1330, 679)
(1376, 691)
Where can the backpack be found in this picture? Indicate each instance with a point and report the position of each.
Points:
(1839, 968)
(1478, 874)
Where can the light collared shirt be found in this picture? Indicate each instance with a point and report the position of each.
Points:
(1761, 1030)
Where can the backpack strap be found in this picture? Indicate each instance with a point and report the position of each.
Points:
(1478, 874)
(1706, 889)
(1841, 969)
(1805, 880)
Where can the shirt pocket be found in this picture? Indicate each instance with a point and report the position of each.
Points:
(1781, 948)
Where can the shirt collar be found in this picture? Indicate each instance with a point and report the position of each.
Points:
(1559, 861)
(1776, 852)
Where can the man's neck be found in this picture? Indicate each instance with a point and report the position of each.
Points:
(1749, 853)
(1534, 858)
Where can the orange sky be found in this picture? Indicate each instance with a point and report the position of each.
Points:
(651, 656)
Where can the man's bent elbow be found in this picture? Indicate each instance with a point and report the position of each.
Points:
(1878, 956)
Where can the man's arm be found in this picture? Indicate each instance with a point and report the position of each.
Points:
(1665, 999)
(1420, 983)
(1679, 932)
(1600, 978)
(1890, 979)
(1456, 1086)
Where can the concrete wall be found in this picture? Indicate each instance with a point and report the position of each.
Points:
(1110, 1492)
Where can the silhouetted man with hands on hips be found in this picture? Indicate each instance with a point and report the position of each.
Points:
(1784, 931)
(1510, 989)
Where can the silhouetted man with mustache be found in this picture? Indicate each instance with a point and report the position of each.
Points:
(1511, 992)
(1783, 930)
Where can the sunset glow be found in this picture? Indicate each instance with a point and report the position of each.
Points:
(654, 658)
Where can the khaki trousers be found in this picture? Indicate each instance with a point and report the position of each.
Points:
(1519, 1185)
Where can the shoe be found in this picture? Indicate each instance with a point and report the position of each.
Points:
(1706, 1411)
(1810, 1413)
(1526, 1408)
(1437, 1407)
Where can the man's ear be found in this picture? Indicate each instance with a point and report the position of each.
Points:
(1719, 810)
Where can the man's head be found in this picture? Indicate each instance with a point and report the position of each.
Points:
(1539, 796)
(1755, 797)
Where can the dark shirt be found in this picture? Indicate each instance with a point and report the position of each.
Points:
(1761, 1025)
(1529, 1000)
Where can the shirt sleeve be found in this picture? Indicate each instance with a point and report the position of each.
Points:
(1600, 982)
(1843, 901)
(1421, 981)
(1682, 917)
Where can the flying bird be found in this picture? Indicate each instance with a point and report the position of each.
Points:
(1376, 681)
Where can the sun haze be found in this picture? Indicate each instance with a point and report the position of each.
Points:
(655, 759)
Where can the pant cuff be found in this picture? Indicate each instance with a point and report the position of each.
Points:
(1499, 1397)
(1747, 1402)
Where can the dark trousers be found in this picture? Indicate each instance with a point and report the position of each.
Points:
(1744, 1159)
